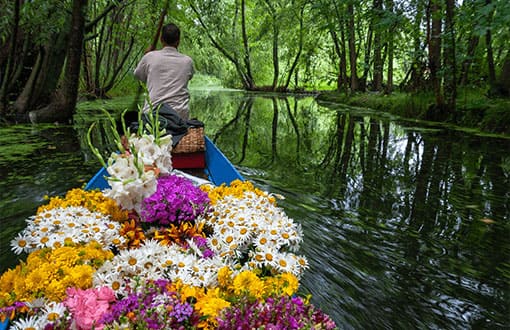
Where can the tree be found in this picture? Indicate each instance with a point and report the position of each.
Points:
(63, 102)
(334, 15)
(391, 46)
(434, 42)
(468, 12)
(108, 49)
(276, 31)
(353, 57)
(450, 62)
(300, 34)
(9, 61)
(48, 60)
(442, 51)
(378, 60)
(215, 17)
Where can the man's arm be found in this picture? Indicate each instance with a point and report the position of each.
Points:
(192, 70)
(141, 70)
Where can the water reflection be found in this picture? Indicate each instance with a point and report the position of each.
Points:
(35, 161)
(405, 226)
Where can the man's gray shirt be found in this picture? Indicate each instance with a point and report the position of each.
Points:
(166, 73)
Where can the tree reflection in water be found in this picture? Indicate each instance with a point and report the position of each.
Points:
(405, 226)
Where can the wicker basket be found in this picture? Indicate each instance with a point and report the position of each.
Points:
(193, 141)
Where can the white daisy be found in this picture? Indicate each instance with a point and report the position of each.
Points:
(21, 243)
(114, 280)
(29, 323)
(53, 311)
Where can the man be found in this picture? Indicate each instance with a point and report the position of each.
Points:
(166, 73)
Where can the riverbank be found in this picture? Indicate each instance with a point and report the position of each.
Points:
(474, 110)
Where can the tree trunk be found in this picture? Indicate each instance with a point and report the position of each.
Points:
(44, 76)
(343, 59)
(414, 79)
(246, 78)
(87, 69)
(117, 67)
(366, 67)
(300, 49)
(378, 61)
(389, 82)
(63, 105)
(352, 48)
(247, 60)
(342, 79)
(491, 68)
(342, 65)
(466, 64)
(389, 79)
(504, 78)
(490, 56)
(276, 62)
(5, 80)
(274, 23)
(450, 62)
(435, 50)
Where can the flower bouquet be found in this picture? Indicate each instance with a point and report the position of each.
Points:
(158, 251)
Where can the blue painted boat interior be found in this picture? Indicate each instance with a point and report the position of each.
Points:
(218, 168)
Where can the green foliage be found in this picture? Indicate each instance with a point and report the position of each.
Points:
(17, 144)
(35, 16)
(201, 22)
(6, 19)
(474, 109)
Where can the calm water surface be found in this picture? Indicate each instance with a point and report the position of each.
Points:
(406, 225)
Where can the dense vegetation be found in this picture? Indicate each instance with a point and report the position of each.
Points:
(51, 52)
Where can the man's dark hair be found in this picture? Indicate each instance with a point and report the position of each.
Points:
(171, 34)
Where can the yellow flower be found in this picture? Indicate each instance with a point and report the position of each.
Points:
(7, 281)
(189, 291)
(285, 283)
(94, 201)
(237, 189)
(210, 306)
(248, 282)
(225, 277)
(49, 272)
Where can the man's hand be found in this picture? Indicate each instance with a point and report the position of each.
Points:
(149, 49)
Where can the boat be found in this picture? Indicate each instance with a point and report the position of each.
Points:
(218, 169)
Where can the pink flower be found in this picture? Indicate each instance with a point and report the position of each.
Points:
(87, 306)
(105, 293)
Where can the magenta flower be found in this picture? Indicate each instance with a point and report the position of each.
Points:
(175, 200)
(275, 314)
(152, 306)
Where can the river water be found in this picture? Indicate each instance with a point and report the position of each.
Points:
(406, 224)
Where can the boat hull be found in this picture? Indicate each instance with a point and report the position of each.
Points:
(218, 169)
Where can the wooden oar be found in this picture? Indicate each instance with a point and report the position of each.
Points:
(152, 47)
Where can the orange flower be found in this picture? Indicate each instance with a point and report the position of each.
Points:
(133, 233)
(179, 234)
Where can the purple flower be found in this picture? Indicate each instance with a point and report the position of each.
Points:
(153, 306)
(275, 314)
(201, 243)
(176, 200)
(181, 312)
